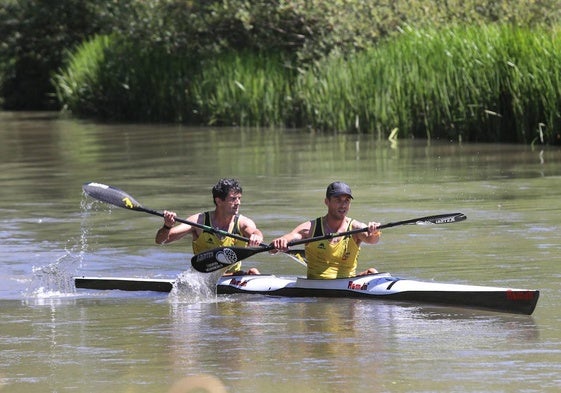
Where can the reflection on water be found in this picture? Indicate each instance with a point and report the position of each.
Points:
(315, 339)
(55, 338)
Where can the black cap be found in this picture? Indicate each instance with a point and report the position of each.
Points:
(338, 188)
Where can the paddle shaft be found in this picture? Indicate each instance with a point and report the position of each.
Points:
(218, 258)
(438, 219)
(263, 246)
(119, 198)
(201, 226)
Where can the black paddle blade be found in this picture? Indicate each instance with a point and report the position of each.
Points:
(437, 219)
(112, 195)
(221, 257)
(442, 219)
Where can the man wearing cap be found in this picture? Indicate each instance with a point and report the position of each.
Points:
(337, 257)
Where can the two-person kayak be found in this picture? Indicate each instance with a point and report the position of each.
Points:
(381, 286)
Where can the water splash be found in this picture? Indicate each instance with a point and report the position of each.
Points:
(54, 279)
(194, 287)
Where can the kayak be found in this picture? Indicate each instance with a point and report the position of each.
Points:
(380, 286)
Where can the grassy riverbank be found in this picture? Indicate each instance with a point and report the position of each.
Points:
(489, 83)
(492, 83)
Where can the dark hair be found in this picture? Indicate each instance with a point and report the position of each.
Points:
(223, 188)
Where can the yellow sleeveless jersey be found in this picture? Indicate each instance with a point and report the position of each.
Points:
(331, 260)
(209, 240)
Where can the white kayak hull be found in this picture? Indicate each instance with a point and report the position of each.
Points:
(382, 286)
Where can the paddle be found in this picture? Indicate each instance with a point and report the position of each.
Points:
(117, 197)
(221, 257)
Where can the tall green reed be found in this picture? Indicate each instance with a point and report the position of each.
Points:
(113, 79)
(477, 83)
(78, 84)
(251, 89)
(480, 83)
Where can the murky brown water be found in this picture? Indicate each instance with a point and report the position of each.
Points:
(56, 339)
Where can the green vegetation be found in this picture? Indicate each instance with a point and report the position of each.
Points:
(110, 78)
(245, 89)
(473, 71)
(489, 83)
(34, 37)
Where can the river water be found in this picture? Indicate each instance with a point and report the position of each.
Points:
(54, 338)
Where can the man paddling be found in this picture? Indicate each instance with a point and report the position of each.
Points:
(337, 257)
(227, 196)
